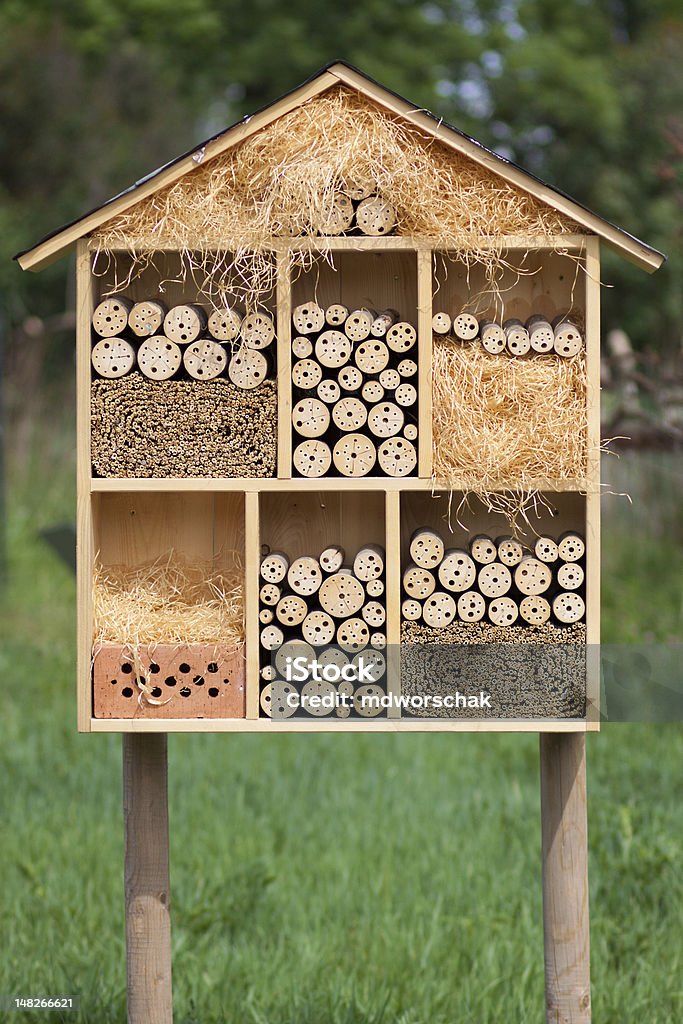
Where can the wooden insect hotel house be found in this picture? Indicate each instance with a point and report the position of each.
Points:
(338, 399)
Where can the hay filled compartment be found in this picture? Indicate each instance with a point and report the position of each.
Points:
(175, 399)
(464, 576)
(168, 631)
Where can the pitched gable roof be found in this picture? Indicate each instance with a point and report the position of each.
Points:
(60, 241)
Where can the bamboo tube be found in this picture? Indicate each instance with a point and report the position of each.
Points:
(247, 369)
(510, 551)
(541, 336)
(407, 368)
(224, 323)
(274, 567)
(385, 419)
(353, 635)
(335, 217)
(545, 550)
(418, 583)
(503, 611)
(332, 559)
(571, 547)
(306, 374)
(369, 563)
(113, 357)
(405, 395)
(312, 458)
(371, 356)
(374, 614)
(266, 616)
(494, 579)
(350, 378)
(270, 594)
(568, 341)
(570, 576)
(375, 588)
(457, 571)
(482, 549)
(374, 216)
(147, 318)
(534, 610)
(426, 548)
(358, 324)
(492, 337)
(471, 606)
(336, 314)
(309, 318)
(441, 323)
(410, 431)
(516, 337)
(159, 358)
(532, 577)
(401, 337)
(411, 609)
(383, 321)
(302, 347)
(272, 637)
(568, 607)
(183, 324)
(439, 610)
(349, 414)
(372, 391)
(329, 391)
(204, 359)
(310, 417)
(354, 455)
(333, 349)
(318, 628)
(465, 326)
(390, 379)
(397, 456)
(110, 316)
(305, 576)
(258, 330)
(341, 595)
(291, 610)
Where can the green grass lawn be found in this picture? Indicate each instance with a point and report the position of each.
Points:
(348, 879)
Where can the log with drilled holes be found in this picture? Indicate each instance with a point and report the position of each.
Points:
(159, 358)
(336, 314)
(224, 323)
(184, 323)
(465, 326)
(568, 341)
(358, 324)
(516, 337)
(110, 316)
(147, 318)
(258, 330)
(492, 337)
(113, 357)
(383, 321)
(441, 323)
(374, 216)
(204, 359)
(541, 334)
(308, 318)
(335, 216)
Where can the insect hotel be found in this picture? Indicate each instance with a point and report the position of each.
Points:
(338, 394)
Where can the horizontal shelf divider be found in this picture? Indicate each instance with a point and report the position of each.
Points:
(99, 484)
(334, 725)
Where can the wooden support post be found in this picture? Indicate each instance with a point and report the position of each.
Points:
(146, 878)
(565, 878)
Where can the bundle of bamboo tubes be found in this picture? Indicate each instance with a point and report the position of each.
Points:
(499, 581)
(560, 336)
(354, 396)
(183, 341)
(330, 612)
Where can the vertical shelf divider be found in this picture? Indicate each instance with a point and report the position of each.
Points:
(593, 482)
(85, 541)
(424, 349)
(284, 363)
(393, 595)
(252, 560)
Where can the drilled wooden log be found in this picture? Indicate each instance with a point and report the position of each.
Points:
(482, 549)
(457, 571)
(471, 606)
(308, 318)
(110, 316)
(291, 610)
(397, 457)
(570, 576)
(270, 593)
(545, 550)
(571, 547)
(492, 337)
(410, 431)
(567, 341)
(318, 628)
(374, 614)
(532, 577)
(371, 356)
(439, 610)
(350, 378)
(329, 391)
(258, 330)
(205, 359)
(302, 347)
(541, 336)
(405, 395)
(183, 324)
(335, 215)
(418, 583)
(441, 323)
(390, 379)
(341, 595)
(465, 326)
(159, 358)
(333, 349)
(354, 455)
(534, 610)
(372, 391)
(349, 414)
(310, 417)
(305, 576)
(401, 337)
(312, 458)
(146, 318)
(407, 368)
(336, 314)
(516, 337)
(375, 588)
(306, 374)
(426, 548)
(224, 323)
(113, 357)
(272, 638)
(369, 563)
(247, 369)
(274, 567)
(494, 580)
(374, 216)
(411, 609)
(274, 700)
(353, 635)
(358, 324)
(385, 419)
(378, 640)
(510, 550)
(332, 559)
(267, 673)
(266, 616)
(503, 611)
(383, 321)
(568, 606)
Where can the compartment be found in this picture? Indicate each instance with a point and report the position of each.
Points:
(168, 606)
(506, 414)
(484, 609)
(323, 597)
(355, 377)
(186, 384)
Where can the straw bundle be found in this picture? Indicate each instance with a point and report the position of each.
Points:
(283, 179)
(168, 601)
(501, 422)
